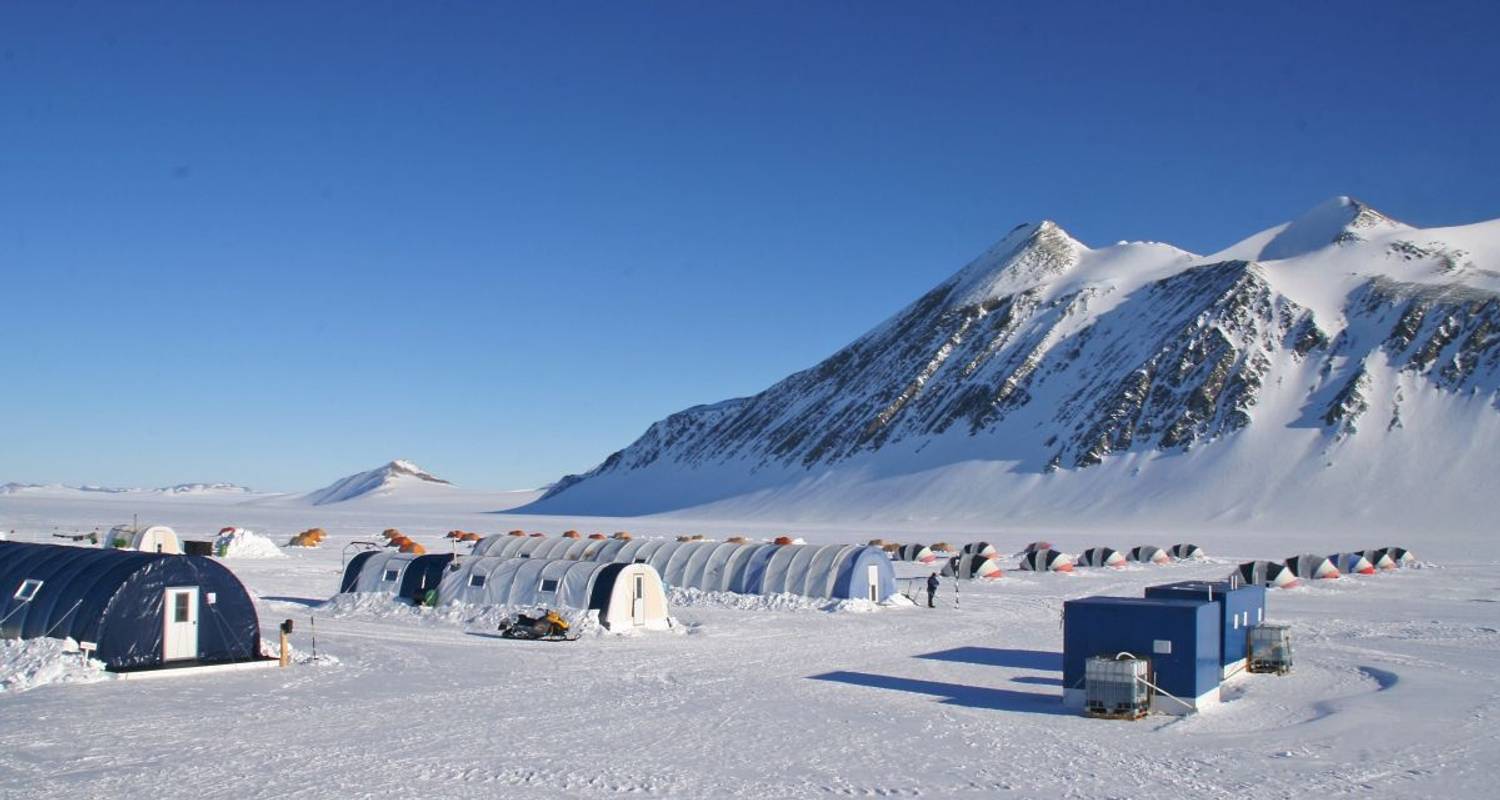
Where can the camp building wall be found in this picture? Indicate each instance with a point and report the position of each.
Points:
(831, 571)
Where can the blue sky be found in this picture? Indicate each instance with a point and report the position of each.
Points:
(275, 243)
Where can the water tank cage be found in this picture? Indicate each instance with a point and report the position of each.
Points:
(1117, 686)
(1271, 649)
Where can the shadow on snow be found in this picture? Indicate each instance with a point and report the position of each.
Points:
(953, 693)
(1000, 657)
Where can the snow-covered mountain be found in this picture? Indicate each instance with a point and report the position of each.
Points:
(180, 490)
(398, 478)
(1343, 366)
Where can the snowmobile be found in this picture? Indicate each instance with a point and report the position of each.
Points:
(549, 627)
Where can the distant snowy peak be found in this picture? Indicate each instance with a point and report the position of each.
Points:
(1340, 220)
(382, 481)
(183, 489)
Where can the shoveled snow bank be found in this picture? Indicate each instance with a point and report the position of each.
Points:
(678, 597)
(470, 618)
(245, 543)
(29, 663)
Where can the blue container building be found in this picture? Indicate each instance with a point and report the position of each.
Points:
(1181, 637)
(1240, 608)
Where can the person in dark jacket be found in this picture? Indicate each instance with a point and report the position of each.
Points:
(932, 584)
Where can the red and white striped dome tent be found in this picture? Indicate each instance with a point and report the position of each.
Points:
(1379, 558)
(1352, 563)
(973, 567)
(1046, 560)
(1101, 557)
(1035, 546)
(1146, 554)
(1270, 574)
(1400, 556)
(981, 549)
(1183, 552)
(920, 553)
(1312, 567)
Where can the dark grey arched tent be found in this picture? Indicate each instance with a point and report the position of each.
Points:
(137, 609)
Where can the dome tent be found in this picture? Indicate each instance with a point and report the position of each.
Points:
(920, 553)
(1183, 552)
(405, 575)
(1146, 554)
(1046, 560)
(1035, 546)
(972, 567)
(150, 539)
(1270, 574)
(982, 549)
(1380, 559)
(1102, 557)
(1352, 563)
(831, 571)
(1399, 556)
(624, 595)
(140, 609)
(1312, 567)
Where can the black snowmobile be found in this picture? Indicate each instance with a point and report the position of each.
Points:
(547, 628)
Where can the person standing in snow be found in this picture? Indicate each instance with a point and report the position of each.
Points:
(932, 584)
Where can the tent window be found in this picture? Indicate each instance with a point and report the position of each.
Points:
(476, 580)
(640, 561)
(391, 575)
(549, 584)
(28, 590)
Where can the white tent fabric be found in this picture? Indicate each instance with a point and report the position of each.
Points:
(560, 583)
(833, 571)
(381, 573)
(151, 539)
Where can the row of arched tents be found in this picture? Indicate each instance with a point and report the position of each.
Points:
(624, 596)
(1040, 556)
(1294, 570)
(819, 571)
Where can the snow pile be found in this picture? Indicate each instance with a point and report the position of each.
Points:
(29, 663)
(470, 618)
(245, 543)
(679, 597)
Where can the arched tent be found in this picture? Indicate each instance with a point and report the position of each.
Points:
(1035, 546)
(1046, 560)
(1352, 563)
(1146, 554)
(1102, 557)
(981, 549)
(1183, 552)
(625, 595)
(376, 572)
(1312, 567)
(973, 567)
(832, 571)
(1270, 574)
(919, 553)
(151, 539)
(1400, 556)
(138, 609)
(1379, 558)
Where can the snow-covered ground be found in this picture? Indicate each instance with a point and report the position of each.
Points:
(1394, 693)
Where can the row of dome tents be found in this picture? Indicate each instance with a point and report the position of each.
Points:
(1040, 557)
(624, 596)
(820, 571)
(1288, 573)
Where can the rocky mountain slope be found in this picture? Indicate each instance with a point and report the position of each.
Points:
(1047, 376)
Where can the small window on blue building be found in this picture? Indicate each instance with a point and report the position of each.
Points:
(28, 590)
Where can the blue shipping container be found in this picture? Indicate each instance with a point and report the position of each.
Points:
(1181, 637)
(1239, 608)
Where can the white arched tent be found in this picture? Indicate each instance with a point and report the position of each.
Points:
(625, 595)
(378, 572)
(832, 571)
(151, 539)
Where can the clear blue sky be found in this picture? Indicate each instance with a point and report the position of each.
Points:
(275, 243)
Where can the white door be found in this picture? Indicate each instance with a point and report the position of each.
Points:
(179, 638)
(872, 574)
(638, 601)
